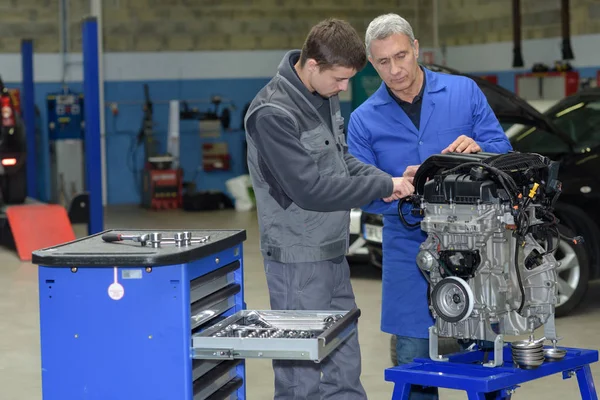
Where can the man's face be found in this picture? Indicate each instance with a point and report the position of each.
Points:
(330, 81)
(395, 60)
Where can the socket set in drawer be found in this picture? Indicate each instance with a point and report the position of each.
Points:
(296, 335)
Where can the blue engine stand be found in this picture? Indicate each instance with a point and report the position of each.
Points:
(463, 371)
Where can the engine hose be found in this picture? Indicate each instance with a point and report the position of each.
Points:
(517, 270)
(550, 240)
(404, 221)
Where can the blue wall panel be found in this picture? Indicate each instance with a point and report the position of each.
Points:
(125, 158)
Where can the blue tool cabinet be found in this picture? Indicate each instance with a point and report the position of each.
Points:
(117, 319)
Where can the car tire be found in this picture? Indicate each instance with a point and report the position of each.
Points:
(581, 224)
(445, 346)
(573, 273)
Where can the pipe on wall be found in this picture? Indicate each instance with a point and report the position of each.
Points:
(567, 51)
(517, 50)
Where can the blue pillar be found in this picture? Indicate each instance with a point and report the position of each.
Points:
(91, 98)
(28, 109)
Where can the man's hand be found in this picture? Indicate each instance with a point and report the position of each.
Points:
(410, 172)
(402, 188)
(463, 144)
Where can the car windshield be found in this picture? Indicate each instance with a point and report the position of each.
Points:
(581, 122)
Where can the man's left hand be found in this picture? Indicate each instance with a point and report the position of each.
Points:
(463, 144)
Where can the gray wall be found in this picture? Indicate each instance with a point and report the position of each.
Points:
(188, 25)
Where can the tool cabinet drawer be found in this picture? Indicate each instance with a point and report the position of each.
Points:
(204, 310)
(215, 380)
(206, 285)
(202, 367)
(291, 335)
(228, 391)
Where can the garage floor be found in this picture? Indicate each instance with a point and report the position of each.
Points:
(19, 332)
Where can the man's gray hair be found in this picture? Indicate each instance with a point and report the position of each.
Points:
(385, 26)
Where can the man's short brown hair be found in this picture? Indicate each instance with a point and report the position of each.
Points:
(334, 42)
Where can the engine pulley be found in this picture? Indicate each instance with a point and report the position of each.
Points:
(452, 299)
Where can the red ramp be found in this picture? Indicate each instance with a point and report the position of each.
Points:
(35, 226)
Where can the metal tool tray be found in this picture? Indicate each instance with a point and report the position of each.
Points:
(93, 251)
(290, 335)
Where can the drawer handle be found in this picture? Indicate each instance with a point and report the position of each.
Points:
(339, 326)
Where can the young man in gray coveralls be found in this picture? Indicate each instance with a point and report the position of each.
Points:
(305, 183)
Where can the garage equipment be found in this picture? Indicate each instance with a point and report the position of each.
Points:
(162, 189)
(66, 125)
(162, 183)
(123, 321)
(464, 372)
(223, 117)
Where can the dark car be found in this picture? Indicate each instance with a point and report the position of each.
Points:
(13, 154)
(568, 132)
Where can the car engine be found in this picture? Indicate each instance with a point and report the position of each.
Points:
(488, 256)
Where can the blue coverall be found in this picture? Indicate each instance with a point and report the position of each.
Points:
(380, 133)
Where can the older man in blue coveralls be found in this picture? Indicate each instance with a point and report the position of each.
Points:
(414, 114)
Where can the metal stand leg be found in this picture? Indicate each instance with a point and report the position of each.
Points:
(476, 395)
(586, 383)
(498, 353)
(434, 352)
(401, 391)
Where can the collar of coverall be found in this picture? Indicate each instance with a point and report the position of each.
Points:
(286, 69)
(382, 96)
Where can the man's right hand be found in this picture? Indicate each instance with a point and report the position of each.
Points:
(410, 172)
(402, 188)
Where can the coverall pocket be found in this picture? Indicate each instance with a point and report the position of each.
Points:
(449, 135)
(320, 147)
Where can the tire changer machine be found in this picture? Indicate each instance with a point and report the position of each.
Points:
(489, 261)
(162, 175)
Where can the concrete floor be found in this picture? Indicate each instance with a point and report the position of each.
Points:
(19, 332)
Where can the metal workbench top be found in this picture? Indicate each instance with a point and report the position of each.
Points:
(93, 251)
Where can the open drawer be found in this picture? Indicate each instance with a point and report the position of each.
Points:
(289, 335)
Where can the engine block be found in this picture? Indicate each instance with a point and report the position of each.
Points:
(488, 256)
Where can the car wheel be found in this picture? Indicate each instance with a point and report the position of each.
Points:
(580, 223)
(445, 346)
(573, 273)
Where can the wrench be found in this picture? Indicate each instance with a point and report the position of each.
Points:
(119, 237)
